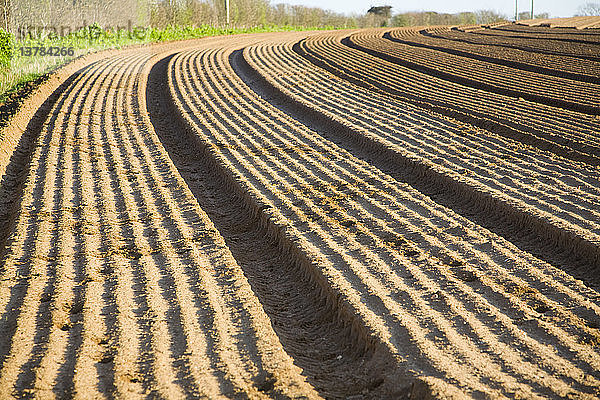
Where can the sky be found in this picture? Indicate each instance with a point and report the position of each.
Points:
(556, 8)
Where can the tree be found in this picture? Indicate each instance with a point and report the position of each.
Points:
(488, 17)
(4, 14)
(382, 11)
(589, 9)
(524, 15)
(380, 16)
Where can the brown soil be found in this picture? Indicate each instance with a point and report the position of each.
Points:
(285, 216)
(12, 100)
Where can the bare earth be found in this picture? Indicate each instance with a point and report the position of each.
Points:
(393, 213)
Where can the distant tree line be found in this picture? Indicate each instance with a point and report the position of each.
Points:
(527, 15)
(249, 13)
(423, 18)
(72, 14)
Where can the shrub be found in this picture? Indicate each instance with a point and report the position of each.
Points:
(589, 9)
(7, 48)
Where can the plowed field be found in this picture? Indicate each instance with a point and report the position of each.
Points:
(393, 213)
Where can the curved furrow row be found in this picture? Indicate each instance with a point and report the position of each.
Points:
(575, 50)
(583, 45)
(567, 133)
(549, 34)
(66, 295)
(264, 61)
(287, 216)
(309, 187)
(267, 199)
(333, 358)
(532, 86)
(28, 285)
(565, 67)
(362, 104)
(498, 183)
(431, 143)
(579, 23)
(278, 64)
(544, 31)
(116, 283)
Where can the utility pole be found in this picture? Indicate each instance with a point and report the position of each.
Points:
(531, 9)
(227, 10)
(516, 10)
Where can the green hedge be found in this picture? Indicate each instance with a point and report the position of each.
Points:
(7, 48)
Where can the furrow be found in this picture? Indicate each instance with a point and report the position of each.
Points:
(321, 129)
(94, 376)
(312, 98)
(237, 333)
(577, 24)
(32, 250)
(584, 52)
(66, 296)
(306, 327)
(590, 246)
(564, 132)
(549, 36)
(372, 259)
(288, 87)
(155, 366)
(37, 275)
(545, 31)
(159, 376)
(125, 344)
(57, 363)
(29, 184)
(532, 86)
(387, 136)
(272, 215)
(89, 372)
(122, 285)
(304, 111)
(174, 233)
(564, 67)
(284, 216)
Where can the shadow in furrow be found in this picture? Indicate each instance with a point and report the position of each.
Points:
(589, 35)
(45, 316)
(334, 363)
(547, 242)
(105, 368)
(12, 186)
(505, 33)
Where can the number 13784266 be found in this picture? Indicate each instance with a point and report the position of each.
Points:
(46, 51)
